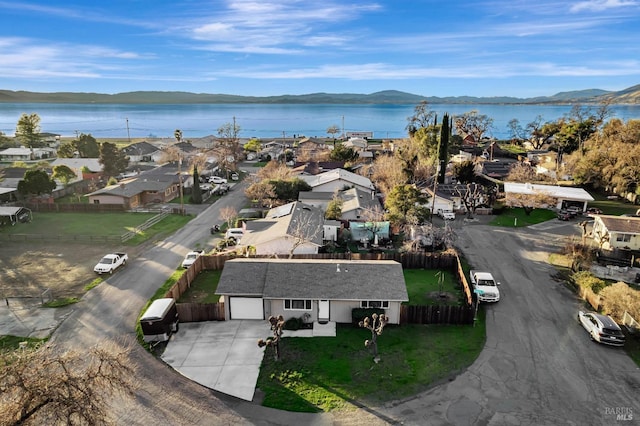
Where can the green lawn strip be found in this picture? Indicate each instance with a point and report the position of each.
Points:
(12, 343)
(157, 295)
(203, 288)
(326, 373)
(164, 228)
(423, 282)
(516, 217)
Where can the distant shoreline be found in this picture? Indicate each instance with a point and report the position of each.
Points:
(390, 97)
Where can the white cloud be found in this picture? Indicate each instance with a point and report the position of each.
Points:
(602, 5)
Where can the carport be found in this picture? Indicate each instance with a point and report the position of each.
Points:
(15, 214)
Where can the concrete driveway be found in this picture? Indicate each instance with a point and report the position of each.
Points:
(222, 355)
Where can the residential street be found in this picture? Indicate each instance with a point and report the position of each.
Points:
(538, 367)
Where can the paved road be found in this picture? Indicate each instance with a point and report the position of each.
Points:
(538, 366)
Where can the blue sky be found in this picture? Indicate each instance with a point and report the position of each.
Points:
(519, 48)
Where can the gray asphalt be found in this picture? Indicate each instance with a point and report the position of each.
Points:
(538, 366)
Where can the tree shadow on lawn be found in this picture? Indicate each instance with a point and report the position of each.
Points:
(326, 373)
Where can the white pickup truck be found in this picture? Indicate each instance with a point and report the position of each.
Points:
(484, 286)
(447, 214)
(110, 263)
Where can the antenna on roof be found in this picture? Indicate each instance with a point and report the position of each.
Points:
(338, 267)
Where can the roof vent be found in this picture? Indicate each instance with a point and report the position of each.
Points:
(338, 267)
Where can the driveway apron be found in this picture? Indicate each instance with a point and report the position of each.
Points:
(221, 355)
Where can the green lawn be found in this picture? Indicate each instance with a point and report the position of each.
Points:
(203, 288)
(326, 373)
(422, 283)
(612, 207)
(516, 217)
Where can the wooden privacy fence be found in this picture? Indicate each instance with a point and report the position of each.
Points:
(197, 312)
(437, 314)
(408, 314)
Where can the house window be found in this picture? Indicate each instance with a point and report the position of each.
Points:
(623, 237)
(384, 304)
(297, 305)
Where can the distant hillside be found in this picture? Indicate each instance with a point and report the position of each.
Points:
(627, 96)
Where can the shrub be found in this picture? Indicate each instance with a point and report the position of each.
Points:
(586, 280)
(293, 324)
(359, 314)
(618, 298)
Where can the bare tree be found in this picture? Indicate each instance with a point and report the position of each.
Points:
(260, 192)
(375, 325)
(275, 170)
(305, 229)
(42, 386)
(276, 325)
(474, 124)
(373, 220)
(228, 214)
(471, 196)
(333, 130)
(530, 202)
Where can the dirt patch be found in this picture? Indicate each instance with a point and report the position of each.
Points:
(442, 297)
(28, 269)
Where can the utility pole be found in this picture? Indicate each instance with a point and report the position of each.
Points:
(128, 135)
(180, 180)
(343, 134)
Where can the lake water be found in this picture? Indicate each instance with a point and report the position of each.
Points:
(261, 120)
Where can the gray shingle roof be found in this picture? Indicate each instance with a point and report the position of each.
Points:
(314, 279)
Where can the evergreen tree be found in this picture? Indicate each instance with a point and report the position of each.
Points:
(196, 196)
(36, 182)
(445, 132)
(113, 160)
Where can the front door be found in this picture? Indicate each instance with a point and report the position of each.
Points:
(323, 310)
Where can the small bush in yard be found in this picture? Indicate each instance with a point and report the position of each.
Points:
(618, 298)
(586, 280)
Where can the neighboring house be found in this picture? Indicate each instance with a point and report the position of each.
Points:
(337, 180)
(355, 202)
(316, 167)
(142, 152)
(617, 232)
(326, 290)
(295, 226)
(26, 154)
(357, 144)
(496, 169)
(92, 165)
(9, 178)
(158, 185)
(565, 196)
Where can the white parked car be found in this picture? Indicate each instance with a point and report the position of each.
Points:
(601, 328)
(217, 180)
(234, 234)
(191, 257)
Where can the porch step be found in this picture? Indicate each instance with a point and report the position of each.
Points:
(327, 329)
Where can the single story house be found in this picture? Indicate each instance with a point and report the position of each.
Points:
(26, 154)
(565, 196)
(142, 152)
(158, 185)
(338, 180)
(617, 232)
(295, 226)
(92, 165)
(355, 202)
(325, 289)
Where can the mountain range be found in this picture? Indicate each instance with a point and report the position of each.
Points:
(630, 95)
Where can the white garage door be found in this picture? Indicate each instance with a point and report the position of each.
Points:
(246, 308)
